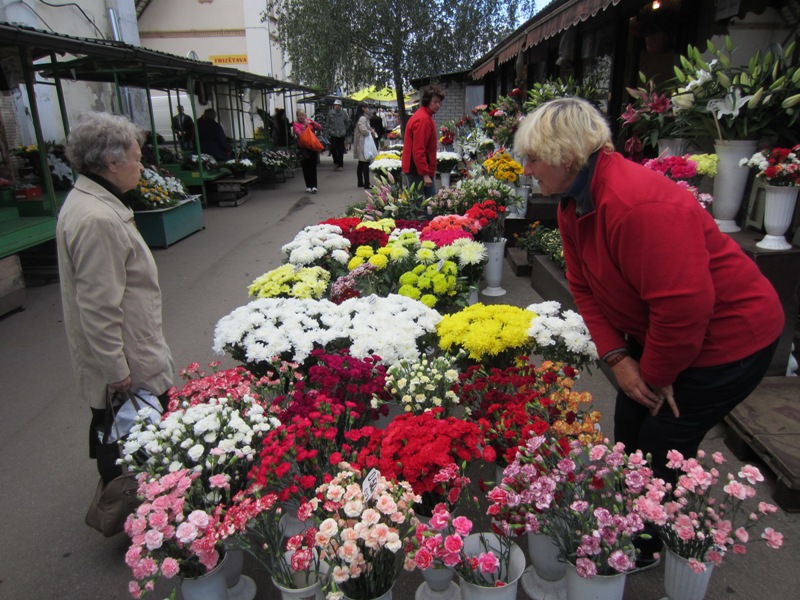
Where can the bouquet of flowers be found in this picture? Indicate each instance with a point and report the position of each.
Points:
(239, 166)
(193, 161)
(173, 532)
(776, 166)
(491, 335)
(502, 166)
(561, 336)
(480, 188)
(585, 497)
(446, 161)
(388, 198)
(686, 171)
(156, 189)
(364, 523)
(386, 163)
(448, 135)
(449, 200)
(501, 119)
(291, 281)
(319, 245)
(698, 523)
(649, 118)
(487, 220)
(423, 384)
(415, 447)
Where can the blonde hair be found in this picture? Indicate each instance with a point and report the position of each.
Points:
(563, 131)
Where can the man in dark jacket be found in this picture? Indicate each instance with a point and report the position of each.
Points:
(212, 137)
(336, 128)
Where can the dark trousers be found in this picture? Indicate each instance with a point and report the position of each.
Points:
(362, 173)
(427, 192)
(337, 150)
(309, 166)
(704, 396)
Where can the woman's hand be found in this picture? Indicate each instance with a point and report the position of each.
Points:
(630, 381)
(665, 395)
(121, 386)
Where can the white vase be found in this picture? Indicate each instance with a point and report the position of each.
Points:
(543, 553)
(445, 179)
(493, 272)
(779, 202)
(209, 586)
(240, 587)
(600, 587)
(672, 146)
(516, 567)
(438, 578)
(473, 297)
(305, 590)
(680, 581)
(730, 181)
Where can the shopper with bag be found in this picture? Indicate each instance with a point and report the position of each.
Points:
(309, 148)
(364, 148)
(109, 281)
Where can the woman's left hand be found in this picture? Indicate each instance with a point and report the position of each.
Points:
(665, 395)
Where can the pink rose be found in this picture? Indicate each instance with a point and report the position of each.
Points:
(153, 539)
(585, 568)
(774, 539)
(170, 567)
(453, 543)
(462, 526)
(440, 520)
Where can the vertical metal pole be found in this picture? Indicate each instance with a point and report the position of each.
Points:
(29, 74)
(153, 131)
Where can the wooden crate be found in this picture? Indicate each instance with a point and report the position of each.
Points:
(12, 284)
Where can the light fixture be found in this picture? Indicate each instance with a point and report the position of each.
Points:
(656, 4)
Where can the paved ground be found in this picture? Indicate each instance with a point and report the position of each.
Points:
(47, 480)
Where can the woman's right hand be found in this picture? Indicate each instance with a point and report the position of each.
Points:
(630, 381)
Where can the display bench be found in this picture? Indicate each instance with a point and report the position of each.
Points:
(194, 180)
(233, 191)
(165, 226)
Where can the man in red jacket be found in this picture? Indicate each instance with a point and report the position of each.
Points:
(421, 141)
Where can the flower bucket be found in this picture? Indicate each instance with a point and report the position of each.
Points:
(600, 587)
(240, 587)
(516, 567)
(438, 578)
(312, 591)
(680, 581)
(779, 202)
(730, 181)
(209, 586)
(543, 553)
(445, 178)
(672, 146)
(493, 272)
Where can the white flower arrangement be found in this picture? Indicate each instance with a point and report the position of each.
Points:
(446, 160)
(59, 168)
(218, 437)
(316, 243)
(385, 164)
(420, 385)
(561, 336)
(389, 327)
(244, 163)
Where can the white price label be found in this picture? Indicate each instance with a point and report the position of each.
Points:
(370, 484)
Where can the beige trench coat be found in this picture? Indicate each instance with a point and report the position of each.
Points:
(360, 133)
(110, 296)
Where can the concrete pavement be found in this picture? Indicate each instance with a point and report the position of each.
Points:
(47, 480)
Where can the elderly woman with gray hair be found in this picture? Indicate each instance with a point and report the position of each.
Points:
(109, 281)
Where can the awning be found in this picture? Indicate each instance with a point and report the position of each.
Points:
(564, 17)
(511, 51)
(484, 69)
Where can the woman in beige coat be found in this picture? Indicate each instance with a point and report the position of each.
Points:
(109, 281)
(360, 133)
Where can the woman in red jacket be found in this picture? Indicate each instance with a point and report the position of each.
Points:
(686, 321)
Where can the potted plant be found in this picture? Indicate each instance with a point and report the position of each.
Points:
(695, 545)
(446, 161)
(649, 118)
(687, 171)
(779, 170)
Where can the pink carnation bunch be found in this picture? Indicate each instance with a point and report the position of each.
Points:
(704, 515)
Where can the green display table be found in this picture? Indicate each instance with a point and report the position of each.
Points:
(163, 227)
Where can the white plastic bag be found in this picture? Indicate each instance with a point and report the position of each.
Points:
(370, 149)
(149, 408)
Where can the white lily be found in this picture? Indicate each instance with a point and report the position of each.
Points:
(729, 105)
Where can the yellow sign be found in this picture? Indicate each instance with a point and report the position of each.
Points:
(228, 59)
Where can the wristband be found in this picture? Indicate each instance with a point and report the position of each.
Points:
(616, 358)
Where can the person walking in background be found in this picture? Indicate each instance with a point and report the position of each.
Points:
(109, 282)
(360, 133)
(308, 158)
(336, 126)
(213, 140)
(183, 129)
(376, 122)
(280, 135)
(421, 141)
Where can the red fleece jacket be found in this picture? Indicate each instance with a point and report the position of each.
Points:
(420, 143)
(650, 262)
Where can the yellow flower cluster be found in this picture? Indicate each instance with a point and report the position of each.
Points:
(428, 283)
(379, 258)
(706, 163)
(385, 225)
(153, 193)
(486, 331)
(501, 166)
(289, 281)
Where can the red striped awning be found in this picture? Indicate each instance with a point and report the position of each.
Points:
(566, 16)
(510, 51)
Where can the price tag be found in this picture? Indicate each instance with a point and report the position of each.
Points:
(439, 265)
(370, 484)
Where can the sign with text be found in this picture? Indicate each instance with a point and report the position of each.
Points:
(228, 59)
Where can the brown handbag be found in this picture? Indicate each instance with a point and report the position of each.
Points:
(115, 500)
